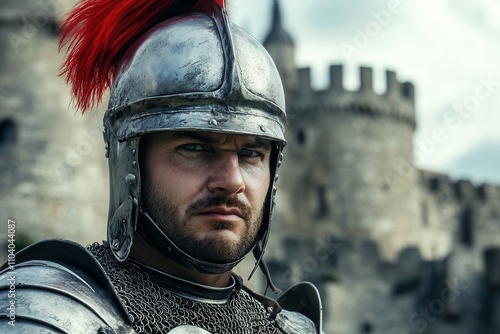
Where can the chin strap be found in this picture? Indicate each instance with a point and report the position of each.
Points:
(258, 254)
(259, 249)
(264, 300)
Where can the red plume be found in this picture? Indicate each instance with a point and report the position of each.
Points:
(98, 32)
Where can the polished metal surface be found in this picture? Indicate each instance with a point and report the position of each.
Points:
(304, 298)
(188, 330)
(59, 287)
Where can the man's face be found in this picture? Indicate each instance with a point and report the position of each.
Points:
(207, 191)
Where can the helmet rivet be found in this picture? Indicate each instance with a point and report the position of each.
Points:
(106, 147)
(134, 163)
(133, 151)
(131, 180)
(213, 122)
(262, 128)
(115, 244)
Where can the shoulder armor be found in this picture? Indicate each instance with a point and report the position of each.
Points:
(302, 310)
(57, 286)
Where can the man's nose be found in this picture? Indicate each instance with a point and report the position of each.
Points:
(226, 175)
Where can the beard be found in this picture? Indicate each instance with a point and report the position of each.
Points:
(165, 214)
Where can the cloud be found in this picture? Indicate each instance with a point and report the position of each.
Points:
(446, 48)
(481, 14)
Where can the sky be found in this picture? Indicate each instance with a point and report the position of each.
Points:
(449, 49)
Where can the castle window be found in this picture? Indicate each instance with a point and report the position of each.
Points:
(407, 89)
(425, 214)
(482, 192)
(8, 132)
(366, 327)
(301, 137)
(323, 209)
(434, 184)
(466, 227)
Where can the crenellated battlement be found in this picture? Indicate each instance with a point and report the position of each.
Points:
(443, 186)
(397, 102)
(395, 88)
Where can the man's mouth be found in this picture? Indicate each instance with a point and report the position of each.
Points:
(223, 213)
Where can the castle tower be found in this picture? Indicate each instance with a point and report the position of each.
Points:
(280, 46)
(53, 174)
(348, 169)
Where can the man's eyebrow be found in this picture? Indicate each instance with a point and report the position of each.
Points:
(209, 139)
(258, 143)
(206, 138)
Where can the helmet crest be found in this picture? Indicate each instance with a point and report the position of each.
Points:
(98, 32)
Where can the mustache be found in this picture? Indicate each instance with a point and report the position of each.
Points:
(219, 200)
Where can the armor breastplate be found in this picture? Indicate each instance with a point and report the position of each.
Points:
(155, 308)
(60, 287)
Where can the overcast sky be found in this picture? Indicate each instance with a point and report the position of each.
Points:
(450, 50)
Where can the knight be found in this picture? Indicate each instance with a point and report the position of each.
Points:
(194, 135)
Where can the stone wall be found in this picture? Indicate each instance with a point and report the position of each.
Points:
(54, 178)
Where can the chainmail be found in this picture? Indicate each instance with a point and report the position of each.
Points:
(157, 310)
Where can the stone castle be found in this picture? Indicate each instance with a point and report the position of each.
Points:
(393, 249)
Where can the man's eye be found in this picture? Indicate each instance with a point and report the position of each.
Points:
(249, 153)
(192, 147)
